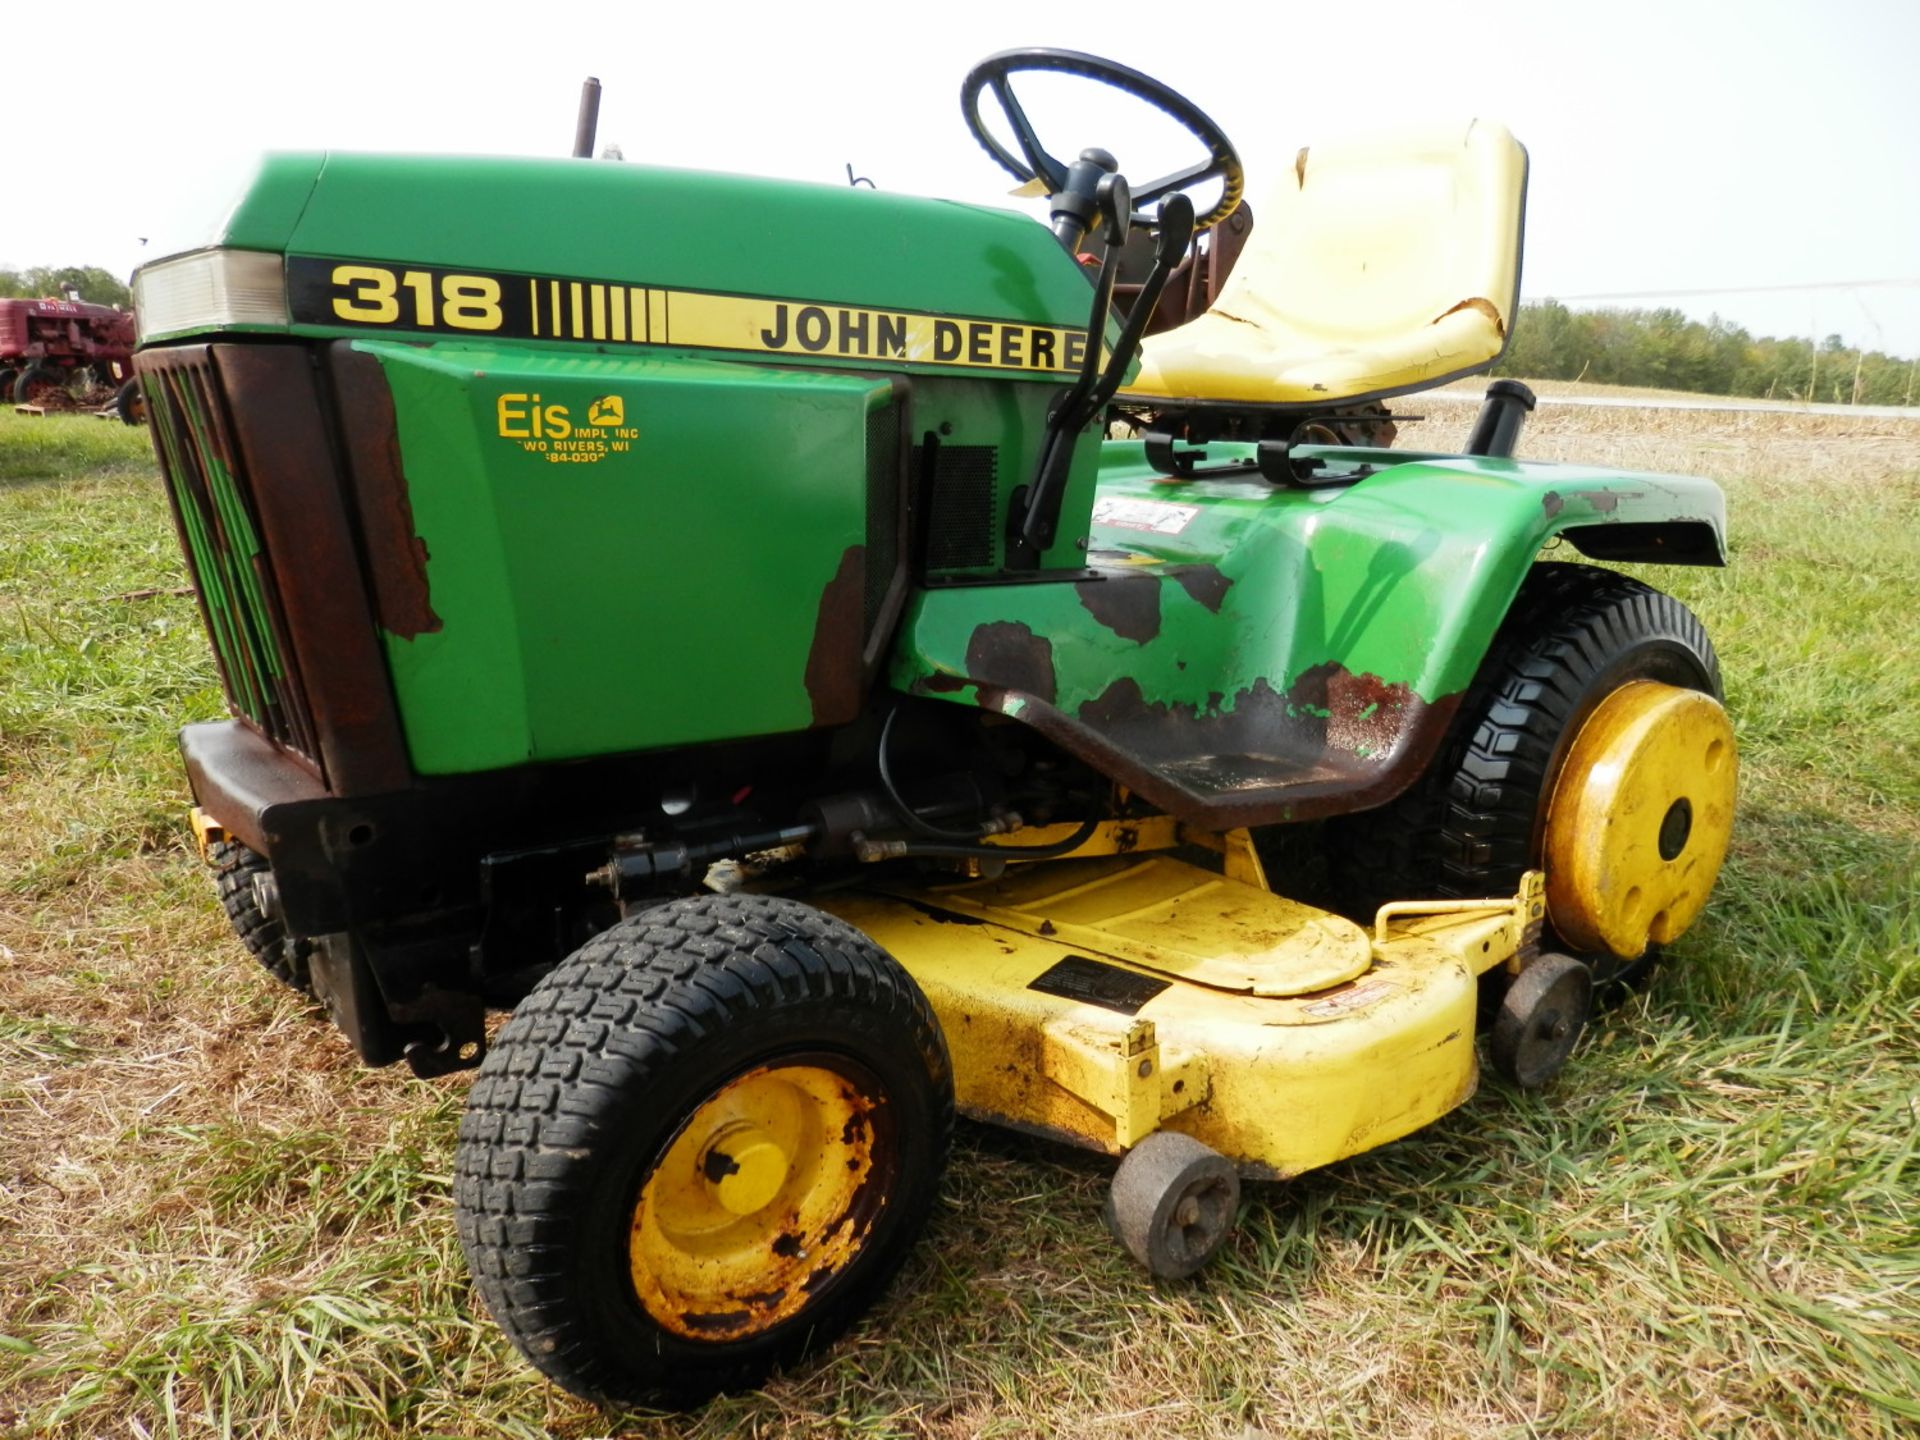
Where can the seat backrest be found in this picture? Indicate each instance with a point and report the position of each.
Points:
(1382, 235)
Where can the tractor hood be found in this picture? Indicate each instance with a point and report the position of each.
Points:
(616, 256)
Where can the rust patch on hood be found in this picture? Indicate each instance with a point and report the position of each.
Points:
(1007, 655)
(1204, 583)
(1127, 605)
(835, 672)
(396, 556)
(1484, 306)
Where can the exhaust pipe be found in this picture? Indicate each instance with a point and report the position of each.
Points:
(589, 122)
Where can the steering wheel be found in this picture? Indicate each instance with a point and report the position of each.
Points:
(1035, 161)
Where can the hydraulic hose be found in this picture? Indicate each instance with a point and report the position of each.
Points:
(943, 851)
(913, 818)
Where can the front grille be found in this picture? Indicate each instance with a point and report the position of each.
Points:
(960, 505)
(212, 504)
(883, 507)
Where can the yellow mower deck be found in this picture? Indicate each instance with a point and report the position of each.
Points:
(1097, 1001)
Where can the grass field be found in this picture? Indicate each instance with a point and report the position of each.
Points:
(213, 1222)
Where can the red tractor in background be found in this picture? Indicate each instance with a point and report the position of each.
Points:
(44, 344)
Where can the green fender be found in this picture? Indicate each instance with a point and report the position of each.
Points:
(1241, 655)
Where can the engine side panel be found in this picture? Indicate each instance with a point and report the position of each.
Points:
(582, 556)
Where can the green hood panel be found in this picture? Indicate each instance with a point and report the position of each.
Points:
(620, 256)
(692, 229)
(1249, 656)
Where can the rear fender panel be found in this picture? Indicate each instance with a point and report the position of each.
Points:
(1249, 656)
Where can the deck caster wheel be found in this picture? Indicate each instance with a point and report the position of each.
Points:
(1172, 1203)
(1540, 1020)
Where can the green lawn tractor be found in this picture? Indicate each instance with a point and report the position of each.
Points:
(828, 660)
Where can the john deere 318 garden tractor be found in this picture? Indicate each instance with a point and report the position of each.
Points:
(710, 616)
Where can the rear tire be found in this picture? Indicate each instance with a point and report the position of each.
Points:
(1475, 821)
(36, 381)
(235, 868)
(646, 1076)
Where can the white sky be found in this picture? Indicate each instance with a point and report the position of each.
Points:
(1676, 145)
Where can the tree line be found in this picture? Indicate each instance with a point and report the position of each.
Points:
(51, 282)
(1664, 350)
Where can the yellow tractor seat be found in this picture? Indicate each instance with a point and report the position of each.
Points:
(1379, 266)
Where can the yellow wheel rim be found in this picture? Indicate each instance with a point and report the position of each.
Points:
(1639, 820)
(770, 1189)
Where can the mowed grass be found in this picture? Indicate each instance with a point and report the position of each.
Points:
(212, 1221)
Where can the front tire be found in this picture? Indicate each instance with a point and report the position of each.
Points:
(235, 869)
(130, 403)
(1576, 637)
(701, 1147)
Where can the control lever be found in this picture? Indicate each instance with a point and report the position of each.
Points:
(1036, 507)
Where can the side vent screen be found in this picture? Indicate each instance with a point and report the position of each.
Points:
(960, 505)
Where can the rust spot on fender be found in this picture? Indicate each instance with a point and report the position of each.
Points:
(1007, 655)
(834, 669)
(1300, 169)
(1604, 502)
(396, 556)
(1477, 302)
(1334, 741)
(1204, 583)
(1127, 605)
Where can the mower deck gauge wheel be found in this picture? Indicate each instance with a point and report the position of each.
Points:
(1540, 1020)
(1173, 1203)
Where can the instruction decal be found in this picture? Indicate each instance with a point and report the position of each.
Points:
(1155, 517)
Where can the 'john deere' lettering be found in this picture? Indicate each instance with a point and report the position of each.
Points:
(615, 316)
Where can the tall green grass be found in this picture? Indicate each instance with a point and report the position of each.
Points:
(212, 1222)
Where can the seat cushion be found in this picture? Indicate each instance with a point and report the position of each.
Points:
(1378, 266)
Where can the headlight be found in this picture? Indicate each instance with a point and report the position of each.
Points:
(210, 290)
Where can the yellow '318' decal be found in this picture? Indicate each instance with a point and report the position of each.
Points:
(613, 315)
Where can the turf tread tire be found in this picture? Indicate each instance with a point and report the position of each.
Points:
(288, 959)
(1471, 824)
(573, 1076)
